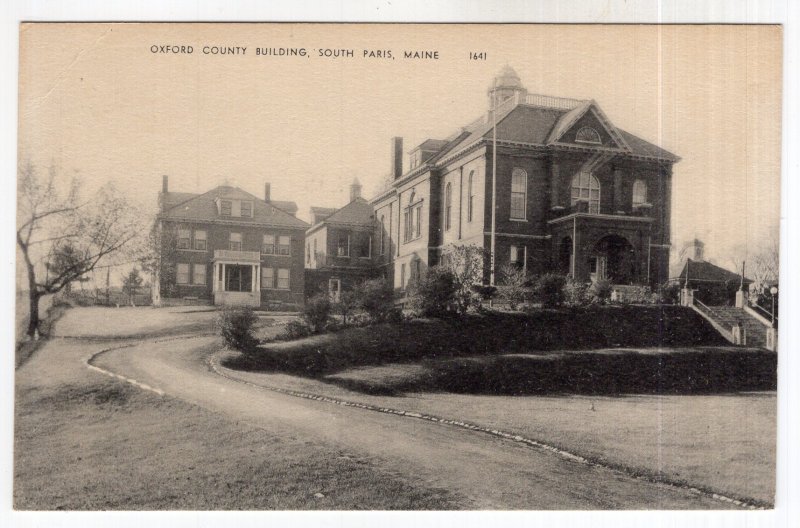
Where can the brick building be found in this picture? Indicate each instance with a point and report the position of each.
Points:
(340, 246)
(228, 247)
(574, 193)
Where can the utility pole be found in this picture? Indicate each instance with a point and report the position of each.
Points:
(494, 183)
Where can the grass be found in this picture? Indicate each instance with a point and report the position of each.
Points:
(106, 445)
(501, 353)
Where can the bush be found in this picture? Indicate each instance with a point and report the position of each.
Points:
(377, 299)
(434, 294)
(236, 328)
(349, 302)
(576, 293)
(317, 312)
(294, 330)
(600, 291)
(669, 293)
(550, 289)
(514, 287)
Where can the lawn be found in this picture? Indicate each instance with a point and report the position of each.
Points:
(650, 391)
(101, 444)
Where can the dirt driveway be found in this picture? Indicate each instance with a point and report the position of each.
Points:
(493, 473)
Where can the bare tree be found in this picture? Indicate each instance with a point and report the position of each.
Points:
(62, 237)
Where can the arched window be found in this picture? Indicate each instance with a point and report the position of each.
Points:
(586, 188)
(448, 205)
(639, 193)
(470, 196)
(588, 135)
(519, 191)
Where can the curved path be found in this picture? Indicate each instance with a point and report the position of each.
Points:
(494, 473)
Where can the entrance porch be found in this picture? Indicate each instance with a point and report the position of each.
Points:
(237, 278)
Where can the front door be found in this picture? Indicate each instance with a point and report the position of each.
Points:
(334, 290)
(597, 268)
(238, 278)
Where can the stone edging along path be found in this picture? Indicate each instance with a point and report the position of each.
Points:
(213, 364)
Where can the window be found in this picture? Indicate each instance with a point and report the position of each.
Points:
(403, 276)
(184, 238)
(182, 275)
(268, 244)
(199, 275)
(235, 241)
(225, 207)
(418, 221)
(406, 226)
(200, 240)
(470, 195)
(586, 188)
(518, 256)
(283, 279)
(519, 188)
(247, 209)
(364, 245)
(284, 245)
(267, 278)
(412, 222)
(308, 252)
(343, 245)
(382, 236)
(588, 135)
(448, 205)
(639, 193)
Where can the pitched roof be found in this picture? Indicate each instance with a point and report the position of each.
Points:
(359, 212)
(539, 124)
(202, 208)
(701, 270)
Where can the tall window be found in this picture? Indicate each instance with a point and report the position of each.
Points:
(268, 244)
(308, 252)
(235, 241)
(470, 195)
(225, 208)
(283, 279)
(412, 222)
(639, 192)
(343, 245)
(363, 245)
(418, 221)
(406, 225)
(585, 187)
(519, 188)
(403, 276)
(182, 274)
(284, 245)
(199, 275)
(382, 236)
(267, 278)
(200, 240)
(448, 205)
(518, 256)
(247, 209)
(184, 238)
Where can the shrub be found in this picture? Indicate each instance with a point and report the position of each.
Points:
(294, 330)
(377, 299)
(669, 293)
(640, 295)
(434, 294)
(236, 328)
(514, 287)
(349, 302)
(317, 312)
(600, 291)
(466, 265)
(576, 293)
(550, 289)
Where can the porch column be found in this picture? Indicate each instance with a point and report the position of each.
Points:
(214, 277)
(255, 278)
(222, 282)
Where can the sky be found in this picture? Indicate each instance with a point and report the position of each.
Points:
(96, 101)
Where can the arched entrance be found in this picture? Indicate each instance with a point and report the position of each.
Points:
(613, 258)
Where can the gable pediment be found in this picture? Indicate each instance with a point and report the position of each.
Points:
(587, 127)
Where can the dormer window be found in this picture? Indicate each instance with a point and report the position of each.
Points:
(588, 135)
(247, 209)
(225, 208)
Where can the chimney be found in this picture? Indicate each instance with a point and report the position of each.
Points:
(397, 157)
(355, 189)
(266, 192)
(164, 184)
(697, 250)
